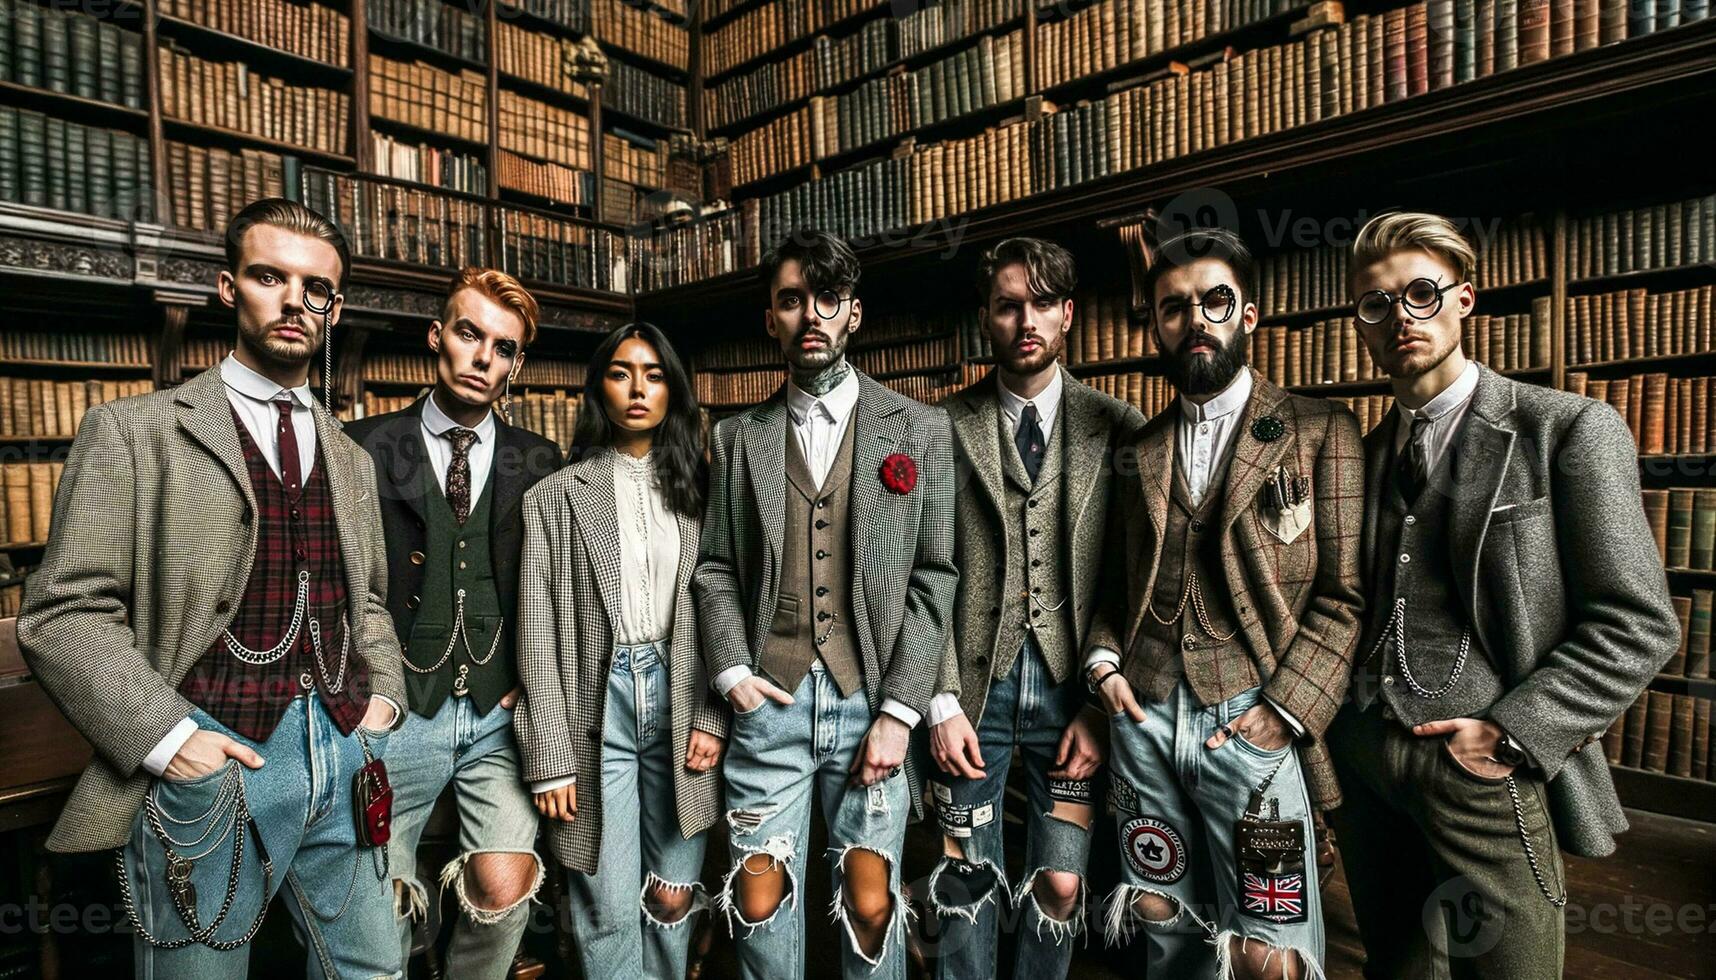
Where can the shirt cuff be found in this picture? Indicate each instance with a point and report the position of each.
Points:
(1101, 655)
(900, 711)
(943, 707)
(1287, 716)
(398, 713)
(162, 754)
(730, 678)
(546, 785)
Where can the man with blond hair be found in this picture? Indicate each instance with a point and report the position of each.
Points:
(451, 475)
(1516, 606)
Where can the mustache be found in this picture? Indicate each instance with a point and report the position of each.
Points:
(1200, 337)
(295, 322)
(812, 332)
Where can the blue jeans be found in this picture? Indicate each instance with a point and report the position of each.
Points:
(1175, 804)
(477, 755)
(301, 803)
(778, 754)
(1027, 710)
(642, 848)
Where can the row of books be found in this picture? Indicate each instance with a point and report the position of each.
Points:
(126, 349)
(637, 92)
(546, 180)
(308, 30)
(428, 98)
(54, 409)
(1692, 659)
(552, 371)
(1112, 33)
(445, 27)
(642, 32)
(209, 185)
(50, 162)
(547, 61)
(1683, 520)
(1635, 323)
(427, 164)
(680, 254)
(550, 414)
(934, 25)
(201, 353)
(1365, 62)
(574, 14)
(1511, 252)
(737, 388)
(1661, 236)
(27, 501)
(932, 388)
(230, 95)
(826, 63)
(772, 26)
(923, 356)
(386, 221)
(1101, 331)
(546, 132)
(1149, 393)
(634, 159)
(1664, 733)
(1666, 415)
(11, 587)
(774, 147)
(545, 249)
(73, 53)
(419, 369)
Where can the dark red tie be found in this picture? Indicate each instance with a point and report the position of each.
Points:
(291, 473)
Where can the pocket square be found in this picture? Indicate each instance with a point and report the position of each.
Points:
(1287, 523)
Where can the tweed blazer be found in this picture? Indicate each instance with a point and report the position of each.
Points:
(904, 575)
(154, 534)
(1095, 427)
(1298, 603)
(569, 599)
(1556, 566)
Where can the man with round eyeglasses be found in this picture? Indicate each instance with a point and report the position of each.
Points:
(1516, 606)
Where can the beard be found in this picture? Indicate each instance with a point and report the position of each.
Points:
(1198, 374)
(285, 352)
(812, 361)
(1049, 349)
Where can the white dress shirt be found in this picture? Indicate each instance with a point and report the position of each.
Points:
(1048, 403)
(1206, 431)
(252, 397)
(819, 424)
(436, 423)
(1447, 415)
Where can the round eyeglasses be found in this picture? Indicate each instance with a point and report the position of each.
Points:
(1421, 298)
(1218, 304)
(828, 303)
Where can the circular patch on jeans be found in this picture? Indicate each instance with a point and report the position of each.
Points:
(1154, 849)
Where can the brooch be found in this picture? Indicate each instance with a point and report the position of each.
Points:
(899, 473)
(1267, 428)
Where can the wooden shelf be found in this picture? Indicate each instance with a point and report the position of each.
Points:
(1694, 799)
(1698, 687)
(1700, 273)
(433, 137)
(234, 137)
(1148, 364)
(417, 185)
(62, 104)
(22, 546)
(199, 39)
(12, 362)
(1641, 365)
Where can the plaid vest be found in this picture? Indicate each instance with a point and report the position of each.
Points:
(294, 536)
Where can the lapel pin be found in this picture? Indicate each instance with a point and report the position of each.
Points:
(1267, 428)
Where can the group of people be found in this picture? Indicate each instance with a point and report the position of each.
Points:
(286, 638)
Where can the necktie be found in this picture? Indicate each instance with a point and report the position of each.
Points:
(1029, 439)
(291, 470)
(1412, 469)
(459, 472)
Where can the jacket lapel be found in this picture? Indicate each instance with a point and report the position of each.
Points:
(765, 458)
(1253, 460)
(508, 478)
(880, 428)
(1156, 465)
(974, 425)
(206, 414)
(1083, 445)
(592, 496)
(351, 519)
(410, 455)
(1378, 453)
(1479, 463)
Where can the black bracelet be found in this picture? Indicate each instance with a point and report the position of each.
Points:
(1107, 677)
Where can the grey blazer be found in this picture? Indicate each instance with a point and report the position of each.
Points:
(154, 533)
(1096, 426)
(1556, 565)
(903, 568)
(569, 596)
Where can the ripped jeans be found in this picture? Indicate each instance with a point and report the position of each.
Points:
(642, 846)
(969, 892)
(778, 755)
(477, 755)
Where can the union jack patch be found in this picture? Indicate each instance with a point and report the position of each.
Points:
(1278, 898)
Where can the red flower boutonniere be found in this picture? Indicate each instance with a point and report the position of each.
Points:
(899, 473)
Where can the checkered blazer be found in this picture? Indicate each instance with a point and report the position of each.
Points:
(902, 544)
(1299, 604)
(154, 533)
(568, 600)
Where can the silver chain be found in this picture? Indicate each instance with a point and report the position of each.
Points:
(1397, 620)
(262, 658)
(460, 635)
(1531, 852)
(1195, 593)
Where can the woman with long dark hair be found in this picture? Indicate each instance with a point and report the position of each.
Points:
(620, 730)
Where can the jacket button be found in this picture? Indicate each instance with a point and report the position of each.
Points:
(821, 617)
(822, 503)
(821, 591)
(1035, 562)
(982, 660)
(1034, 532)
(222, 607)
(820, 524)
(820, 554)
(994, 610)
(416, 557)
(1031, 503)
(412, 602)
(246, 516)
(1197, 527)
(594, 733)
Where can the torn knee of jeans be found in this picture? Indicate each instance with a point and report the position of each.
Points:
(410, 899)
(1240, 956)
(1129, 905)
(488, 908)
(744, 822)
(960, 887)
(779, 852)
(1066, 919)
(1077, 814)
(670, 904)
(874, 911)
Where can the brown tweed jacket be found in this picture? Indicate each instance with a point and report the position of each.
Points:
(1299, 604)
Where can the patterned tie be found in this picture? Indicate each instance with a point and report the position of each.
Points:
(291, 470)
(1029, 439)
(459, 472)
(1412, 469)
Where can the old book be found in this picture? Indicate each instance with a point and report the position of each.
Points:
(1657, 727)
(1676, 665)
(1703, 528)
(1633, 744)
(1698, 634)
(1680, 736)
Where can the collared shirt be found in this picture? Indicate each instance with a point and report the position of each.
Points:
(819, 422)
(482, 453)
(649, 551)
(1048, 402)
(1206, 431)
(1447, 415)
(252, 396)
